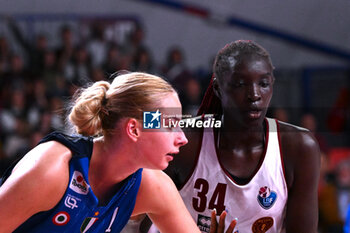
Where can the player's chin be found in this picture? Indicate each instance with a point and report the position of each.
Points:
(253, 119)
(163, 166)
(165, 163)
(169, 157)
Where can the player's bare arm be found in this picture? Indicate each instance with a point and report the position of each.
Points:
(302, 166)
(170, 215)
(23, 194)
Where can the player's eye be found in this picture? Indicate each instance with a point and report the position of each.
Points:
(237, 84)
(264, 84)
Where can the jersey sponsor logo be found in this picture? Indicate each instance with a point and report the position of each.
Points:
(87, 224)
(262, 225)
(61, 218)
(266, 197)
(71, 202)
(78, 183)
(203, 222)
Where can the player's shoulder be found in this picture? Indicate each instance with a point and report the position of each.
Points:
(44, 155)
(155, 177)
(79, 145)
(43, 163)
(155, 184)
(294, 133)
(296, 139)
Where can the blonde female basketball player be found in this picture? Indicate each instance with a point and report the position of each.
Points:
(94, 181)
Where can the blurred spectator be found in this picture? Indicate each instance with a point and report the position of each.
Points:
(142, 61)
(16, 108)
(37, 102)
(176, 71)
(65, 50)
(343, 185)
(135, 41)
(35, 54)
(175, 64)
(45, 125)
(331, 198)
(17, 143)
(81, 66)
(347, 221)
(191, 97)
(5, 54)
(329, 213)
(97, 45)
(57, 113)
(111, 64)
(60, 89)
(39, 95)
(125, 62)
(97, 75)
(4, 162)
(49, 71)
(16, 75)
(339, 117)
(36, 136)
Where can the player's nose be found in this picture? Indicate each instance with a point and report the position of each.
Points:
(181, 139)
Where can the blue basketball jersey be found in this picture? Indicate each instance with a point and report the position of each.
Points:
(79, 209)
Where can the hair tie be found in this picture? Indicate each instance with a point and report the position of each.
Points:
(104, 100)
(103, 105)
(104, 110)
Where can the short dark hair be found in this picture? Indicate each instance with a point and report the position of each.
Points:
(237, 50)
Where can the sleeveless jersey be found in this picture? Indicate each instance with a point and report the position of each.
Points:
(79, 209)
(259, 205)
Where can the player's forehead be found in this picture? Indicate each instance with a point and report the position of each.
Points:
(170, 104)
(250, 61)
(169, 101)
(249, 68)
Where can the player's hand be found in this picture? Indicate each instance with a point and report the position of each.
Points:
(215, 228)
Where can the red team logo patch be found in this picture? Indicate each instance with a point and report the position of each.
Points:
(61, 218)
(266, 197)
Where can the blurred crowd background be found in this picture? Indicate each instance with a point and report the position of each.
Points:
(39, 72)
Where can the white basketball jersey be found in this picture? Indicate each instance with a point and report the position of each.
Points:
(260, 205)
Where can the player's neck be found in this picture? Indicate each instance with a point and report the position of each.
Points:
(106, 160)
(227, 137)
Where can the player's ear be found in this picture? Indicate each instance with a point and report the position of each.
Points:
(216, 87)
(133, 129)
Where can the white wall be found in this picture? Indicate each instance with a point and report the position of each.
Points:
(323, 20)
